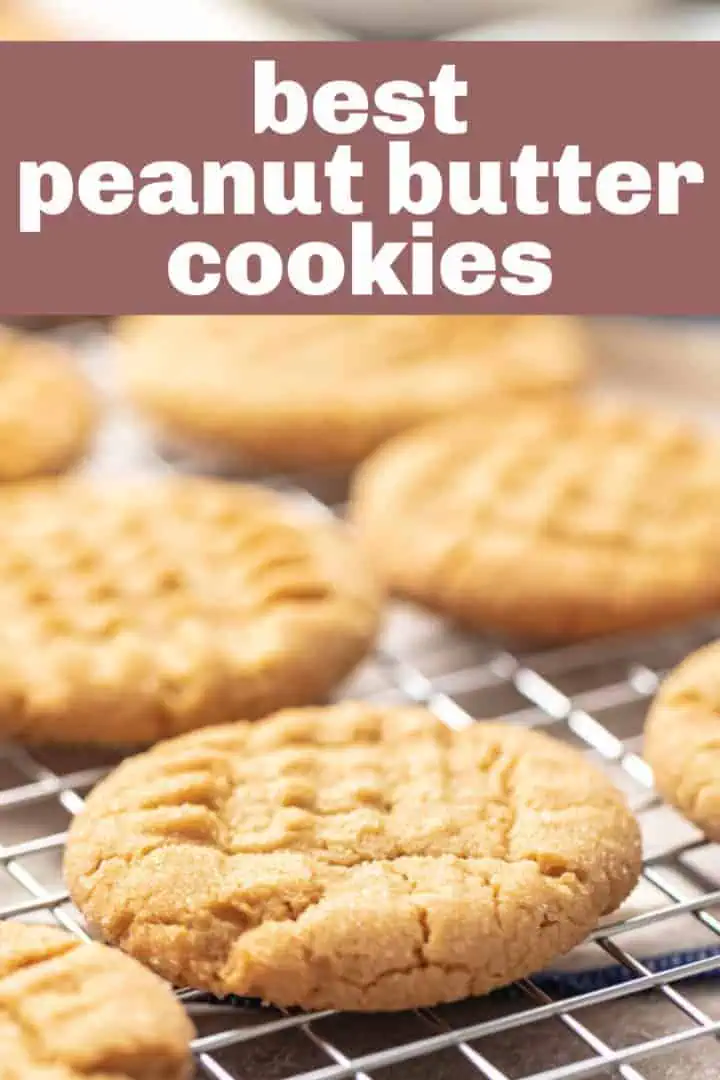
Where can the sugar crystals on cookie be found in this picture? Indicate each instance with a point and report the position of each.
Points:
(352, 857)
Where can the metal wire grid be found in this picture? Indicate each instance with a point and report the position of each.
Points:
(595, 696)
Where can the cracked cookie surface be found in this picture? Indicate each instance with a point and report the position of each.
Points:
(136, 610)
(47, 409)
(682, 739)
(323, 391)
(72, 1011)
(351, 857)
(558, 523)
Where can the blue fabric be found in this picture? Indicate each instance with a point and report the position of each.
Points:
(569, 984)
(582, 982)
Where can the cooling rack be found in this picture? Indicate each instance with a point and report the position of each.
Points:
(643, 1024)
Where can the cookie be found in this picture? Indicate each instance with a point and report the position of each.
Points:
(71, 1011)
(133, 611)
(47, 409)
(351, 857)
(548, 524)
(321, 392)
(682, 739)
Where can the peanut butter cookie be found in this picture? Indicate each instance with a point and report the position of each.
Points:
(71, 1011)
(142, 609)
(352, 858)
(682, 739)
(556, 523)
(47, 411)
(323, 391)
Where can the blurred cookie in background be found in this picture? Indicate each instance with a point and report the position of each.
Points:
(682, 739)
(47, 408)
(322, 392)
(571, 521)
(138, 609)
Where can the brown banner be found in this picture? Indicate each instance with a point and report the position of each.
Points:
(358, 177)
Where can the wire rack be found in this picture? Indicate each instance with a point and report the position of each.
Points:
(647, 1024)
